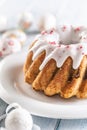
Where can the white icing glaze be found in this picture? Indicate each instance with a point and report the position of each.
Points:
(18, 34)
(59, 45)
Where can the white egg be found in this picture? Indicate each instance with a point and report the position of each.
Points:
(47, 22)
(25, 20)
(19, 119)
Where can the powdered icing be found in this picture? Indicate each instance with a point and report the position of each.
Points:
(59, 45)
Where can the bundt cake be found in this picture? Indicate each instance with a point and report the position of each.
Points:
(57, 62)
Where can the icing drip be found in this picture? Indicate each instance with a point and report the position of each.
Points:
(61, 44)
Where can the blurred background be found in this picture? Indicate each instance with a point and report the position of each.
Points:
(66, 11)
(34, 16)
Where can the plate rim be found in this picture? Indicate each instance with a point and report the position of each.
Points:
(59, 113)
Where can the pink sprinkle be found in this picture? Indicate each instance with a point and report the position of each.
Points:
(82, 53)
(77, 29)
(64, 28)
(53, 43)
(0, 53)
(80, 47)
(77, 48)
(10, 43)
(51, 31)
(4, 49)
(67, 46)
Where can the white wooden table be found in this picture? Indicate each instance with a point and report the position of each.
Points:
(51, 124)
(48, 123)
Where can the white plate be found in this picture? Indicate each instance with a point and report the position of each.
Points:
(14, 89)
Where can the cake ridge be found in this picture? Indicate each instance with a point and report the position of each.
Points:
(57, 62)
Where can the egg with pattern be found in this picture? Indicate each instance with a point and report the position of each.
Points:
(9, 46)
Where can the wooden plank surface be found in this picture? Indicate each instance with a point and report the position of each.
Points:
(45, 123)
(3, 106)
(51, 124)
(73, 125)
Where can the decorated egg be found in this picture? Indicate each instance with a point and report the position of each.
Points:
(17, 34)
(9, 46)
